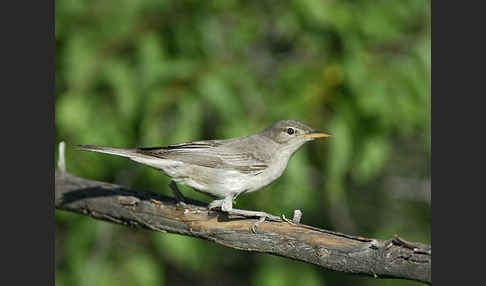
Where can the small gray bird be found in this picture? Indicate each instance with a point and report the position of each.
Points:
(225, 168)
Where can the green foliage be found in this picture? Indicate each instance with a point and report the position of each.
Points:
(276, 271)
(150, 73)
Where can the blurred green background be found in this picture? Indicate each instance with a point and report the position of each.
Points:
(150, 73)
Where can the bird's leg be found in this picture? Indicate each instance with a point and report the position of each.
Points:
(226, 205)
(215, 204)
(177, 194)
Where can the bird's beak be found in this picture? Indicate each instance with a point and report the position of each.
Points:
(314, 134)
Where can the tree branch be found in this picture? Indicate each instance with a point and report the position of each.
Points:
(393, 258)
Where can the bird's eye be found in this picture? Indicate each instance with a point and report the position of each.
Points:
(290, 131)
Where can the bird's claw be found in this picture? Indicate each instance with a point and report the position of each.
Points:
(257, 223)
(287, 220)
(262, 219)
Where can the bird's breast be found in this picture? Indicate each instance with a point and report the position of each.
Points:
(265, 178)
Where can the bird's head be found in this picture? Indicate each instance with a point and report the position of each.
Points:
(292, 134)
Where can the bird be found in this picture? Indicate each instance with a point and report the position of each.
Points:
(227, 168)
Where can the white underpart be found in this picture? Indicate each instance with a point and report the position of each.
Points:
(274, 171)
(226, 181)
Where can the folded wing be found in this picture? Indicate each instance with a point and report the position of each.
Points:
(211, 154)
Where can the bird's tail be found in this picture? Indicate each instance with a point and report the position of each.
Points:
(109, 150)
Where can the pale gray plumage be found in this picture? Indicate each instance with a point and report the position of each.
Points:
(225, 168)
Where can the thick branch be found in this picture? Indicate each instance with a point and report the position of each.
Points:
(393, 258)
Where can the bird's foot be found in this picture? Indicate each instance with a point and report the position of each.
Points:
(262, 216)
(215, 204)
(287, 220)
(257, 223)
(226, 206)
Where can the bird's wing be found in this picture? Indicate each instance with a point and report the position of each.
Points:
(212, 154)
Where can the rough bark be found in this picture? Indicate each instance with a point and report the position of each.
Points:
(392, 258)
